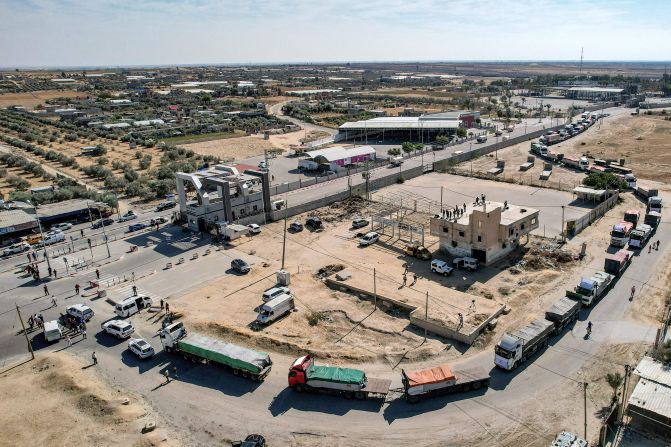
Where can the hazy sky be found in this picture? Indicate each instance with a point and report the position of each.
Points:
(144, 32)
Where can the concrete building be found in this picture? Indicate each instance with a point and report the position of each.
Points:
(223, 193)
(595, 93)
(336, 158)
(15, 223)
(467, 118)
(399, 128)
(486, 232)
(649, 405)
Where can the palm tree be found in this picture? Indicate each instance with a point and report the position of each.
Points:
(614, 380)
(548, 106)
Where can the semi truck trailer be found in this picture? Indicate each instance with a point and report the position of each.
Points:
(515, 348)
(592, 289)
(652, 218)
(616, 264)
(304, 375)
(242, 361)
(562, 313)
(582, 163)
(640, 236)
(441, 380)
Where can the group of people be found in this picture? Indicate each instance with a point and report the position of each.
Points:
(405, 277)
(36, 320)
(654, 245)
(454, 213)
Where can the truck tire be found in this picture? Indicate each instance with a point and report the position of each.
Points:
(236, 372)
(360, 395)
(412, 399)
(476, 385)
(299, 387)
(348, 394)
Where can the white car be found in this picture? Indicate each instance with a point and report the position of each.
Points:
(369, 239)
(80, 311)
(140, 348)
(118, 328)
(16, 248)
(62, 226)
(130, 215)
(254, 228)
(51, 237)
(274, 292)
(466, 263)
(441, 267)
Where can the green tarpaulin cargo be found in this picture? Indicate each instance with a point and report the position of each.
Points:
(337, 375)
(225, 353)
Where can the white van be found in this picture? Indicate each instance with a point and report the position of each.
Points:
(274, 309)
(396, 161)
(80, 311)
(132, 305)
(52, 331)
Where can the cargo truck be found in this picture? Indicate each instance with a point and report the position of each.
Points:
(640, 236)
(539, 149)
(652, 218)
(200, 348)
(654, 204)
(515, 348)
(632, 216)
(592, 289)
(441, 380)
(619, 234)
(550, 139)
(631, 180)
(304, 375)
(616, 264)
(581, 164)
(562, 313)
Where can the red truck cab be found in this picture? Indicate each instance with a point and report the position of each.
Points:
(297, 372)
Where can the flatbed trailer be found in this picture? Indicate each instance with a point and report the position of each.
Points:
(562, 313)
(516, 347)
(438, 381)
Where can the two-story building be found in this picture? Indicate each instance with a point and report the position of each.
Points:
(223, 193)
(486, 232)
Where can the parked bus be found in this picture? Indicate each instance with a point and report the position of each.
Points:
(619, 235)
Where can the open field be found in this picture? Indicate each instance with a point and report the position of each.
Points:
(232, 148)
(56, 400)
(201, 138)
(33, 99)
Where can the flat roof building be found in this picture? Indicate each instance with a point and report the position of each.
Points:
(485, 231)
(649, 405)
(337, 157)
(223, 193)
(15, 222)
(399, 128)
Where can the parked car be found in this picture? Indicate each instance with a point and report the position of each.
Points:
(251, 441)
(296, 227)
(498, 133)
(465, 263)
(158, 220)
(118, 328)
(360, 222)
(441, 267)
(62, 226)
(254, 228)
(80, 311)
(274, 292)
(102, 223)
(16, 248)
(51, 237)
(140, 348)
(137, 227)
(417, 251)
(314, 222)
(481, 139)
(240, 266)
(165, 206)
(130, 215)
(369, 239)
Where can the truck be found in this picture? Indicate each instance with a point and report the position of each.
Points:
(275, 309)
(640, 236)
(562, 313)
(550, 139)
(581, 164)
(617, 263)
(592, 289)
(417, 251)
(304, 375)
(396, 161)
(200, 348)
(652, 218)
(631, 180)
(539, 149)
(515, 348)
(654, 204)
(619, 234)
(440, 380)
(632, 216)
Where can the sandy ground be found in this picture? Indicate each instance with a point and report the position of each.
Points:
(643, 141)
(34, 181)
(57, 400)
(233, 148)
(30, 100)
(344, 325)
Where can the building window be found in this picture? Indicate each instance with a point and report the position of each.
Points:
(479, 238)
(454, 243)
(461, 234)
(256, 208)
(479, 224)
(503, 245)
(446, 230)
(511, 231)
(533, 221)
(522, 227)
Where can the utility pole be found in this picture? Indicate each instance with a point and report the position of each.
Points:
(426, 314)
(104, 235)
(30, 347)
(585, 406)
(374, 290)
(39, 224)
(624, 391)
(284, 241)
(563, 235)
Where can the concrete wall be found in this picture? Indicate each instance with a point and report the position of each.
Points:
(573, 227)
(417, 318)
(275, 215)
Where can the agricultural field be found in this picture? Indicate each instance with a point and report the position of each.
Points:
(31, 100)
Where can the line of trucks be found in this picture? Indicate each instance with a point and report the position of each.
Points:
(634, 233)
(306, 376)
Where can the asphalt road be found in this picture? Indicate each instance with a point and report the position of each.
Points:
(217, 405)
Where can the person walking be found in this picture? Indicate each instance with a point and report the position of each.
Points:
(657, 245)
(77, 289)
(53, 301)
(28, 258)
(414, 279)
(68, 340)
(134, 291)
(30, 322)
(46, 290)
(94, 358)
(167, 308)
(405, 279)
(650, 248)
(34, 256)
(81, 232)
(162, 304)
(633, 291)
(55, 274)
(83, 330)
(174, 372)
(166, 373)
(97, 274)
(50, 271)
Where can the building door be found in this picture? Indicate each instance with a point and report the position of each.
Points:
(480, 255)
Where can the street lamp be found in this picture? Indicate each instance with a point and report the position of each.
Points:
(39, 224)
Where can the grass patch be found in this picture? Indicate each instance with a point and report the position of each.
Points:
(185, 139)
(315, 317)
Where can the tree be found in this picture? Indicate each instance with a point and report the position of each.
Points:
(461, 132)
(604, 180)
(442, 139)
(614, 380)
(407, 147)
(394, 151)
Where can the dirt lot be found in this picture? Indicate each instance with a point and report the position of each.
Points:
(643, 141)
(340, 325)
(233, 148)
(56, 400)
(33, 99)
(34, 181)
